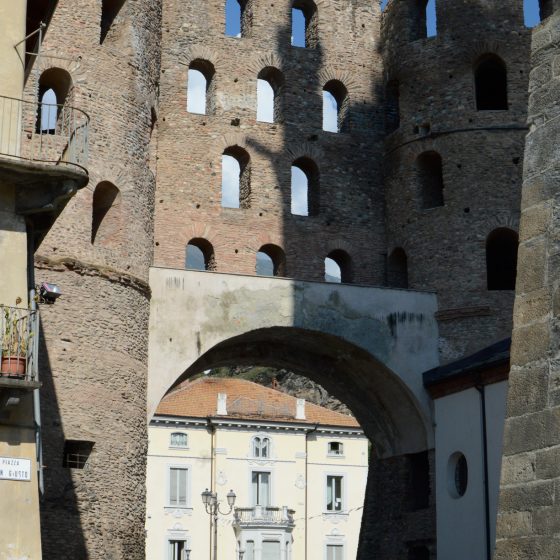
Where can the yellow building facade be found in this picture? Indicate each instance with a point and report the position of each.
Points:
(298, 472)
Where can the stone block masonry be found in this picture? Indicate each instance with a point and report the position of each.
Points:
(528, 521)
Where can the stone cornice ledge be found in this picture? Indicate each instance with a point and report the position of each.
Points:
(89, 269)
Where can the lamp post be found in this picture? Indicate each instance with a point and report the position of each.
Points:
(241, 553)
(212, 507)
(187, 554)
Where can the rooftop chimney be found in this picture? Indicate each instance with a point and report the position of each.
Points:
(300, 409)
(222, 404)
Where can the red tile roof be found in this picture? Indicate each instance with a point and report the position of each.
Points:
(245, 400)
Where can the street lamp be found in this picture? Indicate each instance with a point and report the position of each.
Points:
(241, 553)
(212, 507)
(187, 554)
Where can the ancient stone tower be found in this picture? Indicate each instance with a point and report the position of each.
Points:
(103, 56)
(456, 111)
(529, 504)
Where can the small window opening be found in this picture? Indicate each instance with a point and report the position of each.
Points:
(269, 84)
(236, 178)
(431, 18)
(109, 11)
(239, 18)
(425, 24)
(105, 221)
(501, 259)
(199, 255)
(305, 187)
(335, 552)
(416, 552)
(77, 453)
(54, 89)
(200, 87)
(335, 106)
(304, 24)
(397, 269)
(430, 177)
(338, 267)
(270, 261)
(535, 11)
(178, 439)
(490, 77)
(419, 468)
(335, 448)
(392, 108)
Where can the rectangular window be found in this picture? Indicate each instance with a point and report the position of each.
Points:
(335, 448)
(249, 551)
(334, 551)
(271, 550)
(76, 453)
(176, 550)
(261, 488)
(178, 439)
(334, 493)
(178, 487)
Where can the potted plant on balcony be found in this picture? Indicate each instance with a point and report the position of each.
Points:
(15, 341)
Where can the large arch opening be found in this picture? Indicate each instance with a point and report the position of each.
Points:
(295, 362)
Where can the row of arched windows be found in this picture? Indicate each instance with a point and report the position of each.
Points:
(270, 260)
(501, 262)
(490, 85)
(236, 182)
(304, 24)
(270, 81)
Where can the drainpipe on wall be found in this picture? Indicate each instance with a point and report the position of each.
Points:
(36, 394)
(482, 393)
(212, 428)
(307, 434)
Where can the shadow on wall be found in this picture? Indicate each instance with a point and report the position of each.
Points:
(59, 502)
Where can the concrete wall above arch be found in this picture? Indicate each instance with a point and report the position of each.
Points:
(367, 346)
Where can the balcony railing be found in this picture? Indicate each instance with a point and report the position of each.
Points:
(260, 515)
(42, 132)
(19, 343)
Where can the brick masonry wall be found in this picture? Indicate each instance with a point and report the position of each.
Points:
(188, 203)
(94, 345)
(529, 512)
(481, 151)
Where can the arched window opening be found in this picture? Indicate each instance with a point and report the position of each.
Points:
(239, 18)
(236, 178)
(109, 11)
(200, 87)
(199, 255)
(335, 106)
(501, 259)
(261, 447)
(430, 178)
(54, 89)
(305, 187)
(338, 267)
(431, 18)
(397, 269)
(392, 107)
(304, 24)
(269, 84)
(270, 261)
(490, 78)
(105, 222)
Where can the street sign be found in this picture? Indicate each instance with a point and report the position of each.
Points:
(12, 468)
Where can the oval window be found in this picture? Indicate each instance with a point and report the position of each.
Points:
(457, 475)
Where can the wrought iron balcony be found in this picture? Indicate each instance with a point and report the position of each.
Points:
(261, 516)
(43, 156)
(19, 345)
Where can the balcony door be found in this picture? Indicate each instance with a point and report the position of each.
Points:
(261, 488)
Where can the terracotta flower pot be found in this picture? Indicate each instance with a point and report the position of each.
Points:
(13, 366)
